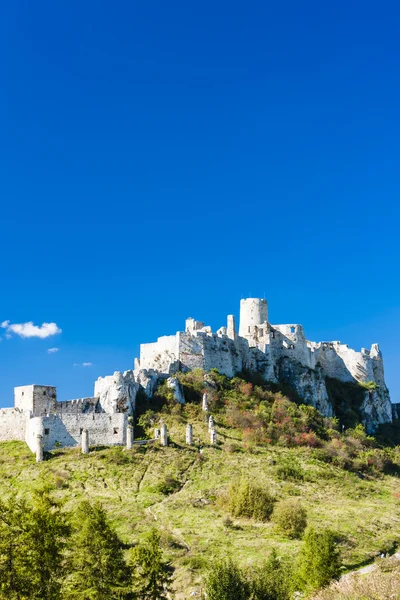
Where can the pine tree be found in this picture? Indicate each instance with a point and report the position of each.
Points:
(45, 534)
(152, 575)
(319, 560)
(32, 539)
(13, 548)
(272, 580)
(225, 581)
(95, 562)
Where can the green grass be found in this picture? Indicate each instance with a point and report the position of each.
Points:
(176, 488)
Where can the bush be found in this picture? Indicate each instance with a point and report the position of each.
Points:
(168, 486)
(225, 581)
(319, 560)
(290, 468)
(290, 517)
(246, 499)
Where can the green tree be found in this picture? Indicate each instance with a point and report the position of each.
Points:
(151, 575)
(13, 550)
(319, 560)
(45, 532)
(95, 561)
(225, 581)
(272, 580)
(32, 540)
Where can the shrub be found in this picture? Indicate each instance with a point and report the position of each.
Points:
(290, 468)
(225, 581)
(290, 517)
(168, 486)
(247, 499)
(272, 580)
(319, 560)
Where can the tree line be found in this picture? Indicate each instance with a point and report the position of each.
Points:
(47, 553)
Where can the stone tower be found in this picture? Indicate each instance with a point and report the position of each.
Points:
(253, 313)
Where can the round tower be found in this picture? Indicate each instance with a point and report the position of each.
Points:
(253, 311)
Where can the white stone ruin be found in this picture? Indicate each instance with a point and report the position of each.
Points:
(210, 423)
(129, 437)
(189, 434)
(205, 402)
(85, 441)
(213, 437)
(39, 448)
(164, 435)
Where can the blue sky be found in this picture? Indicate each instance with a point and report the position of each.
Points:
(160, 160)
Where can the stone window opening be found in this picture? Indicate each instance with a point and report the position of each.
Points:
(46, 431)
(292, 329)
(249, 329)
(116, 430)
(44, 392)
(23, 393)
(261, 332)
(81, 430)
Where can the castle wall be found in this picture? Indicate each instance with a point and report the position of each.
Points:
(160, 355)
(107, 430)
(12, 424)
(78, 406)
(191, 350)
(222, 353)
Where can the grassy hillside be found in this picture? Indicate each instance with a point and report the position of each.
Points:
(181, 490)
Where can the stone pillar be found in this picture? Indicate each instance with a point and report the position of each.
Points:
(129, 437)
(231, 329)
(164, 435)
(189, 434)
(205, 402)
(211, 423)
(85, 441)
(157, 434)
(39, 448)
(213, 437)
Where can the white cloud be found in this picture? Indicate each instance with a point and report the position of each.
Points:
(29, 330)
(84, 364)
(52, 350)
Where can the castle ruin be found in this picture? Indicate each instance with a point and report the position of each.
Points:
(279, 353)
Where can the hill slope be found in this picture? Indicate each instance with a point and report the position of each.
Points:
(178, 488)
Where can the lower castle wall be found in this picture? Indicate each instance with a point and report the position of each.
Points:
(12, 424)
(107, 430)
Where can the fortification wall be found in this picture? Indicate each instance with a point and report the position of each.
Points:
(12, 424)
(191, 350)
(160, 355)
(107, 430)
(78, 406)
(222, 353)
